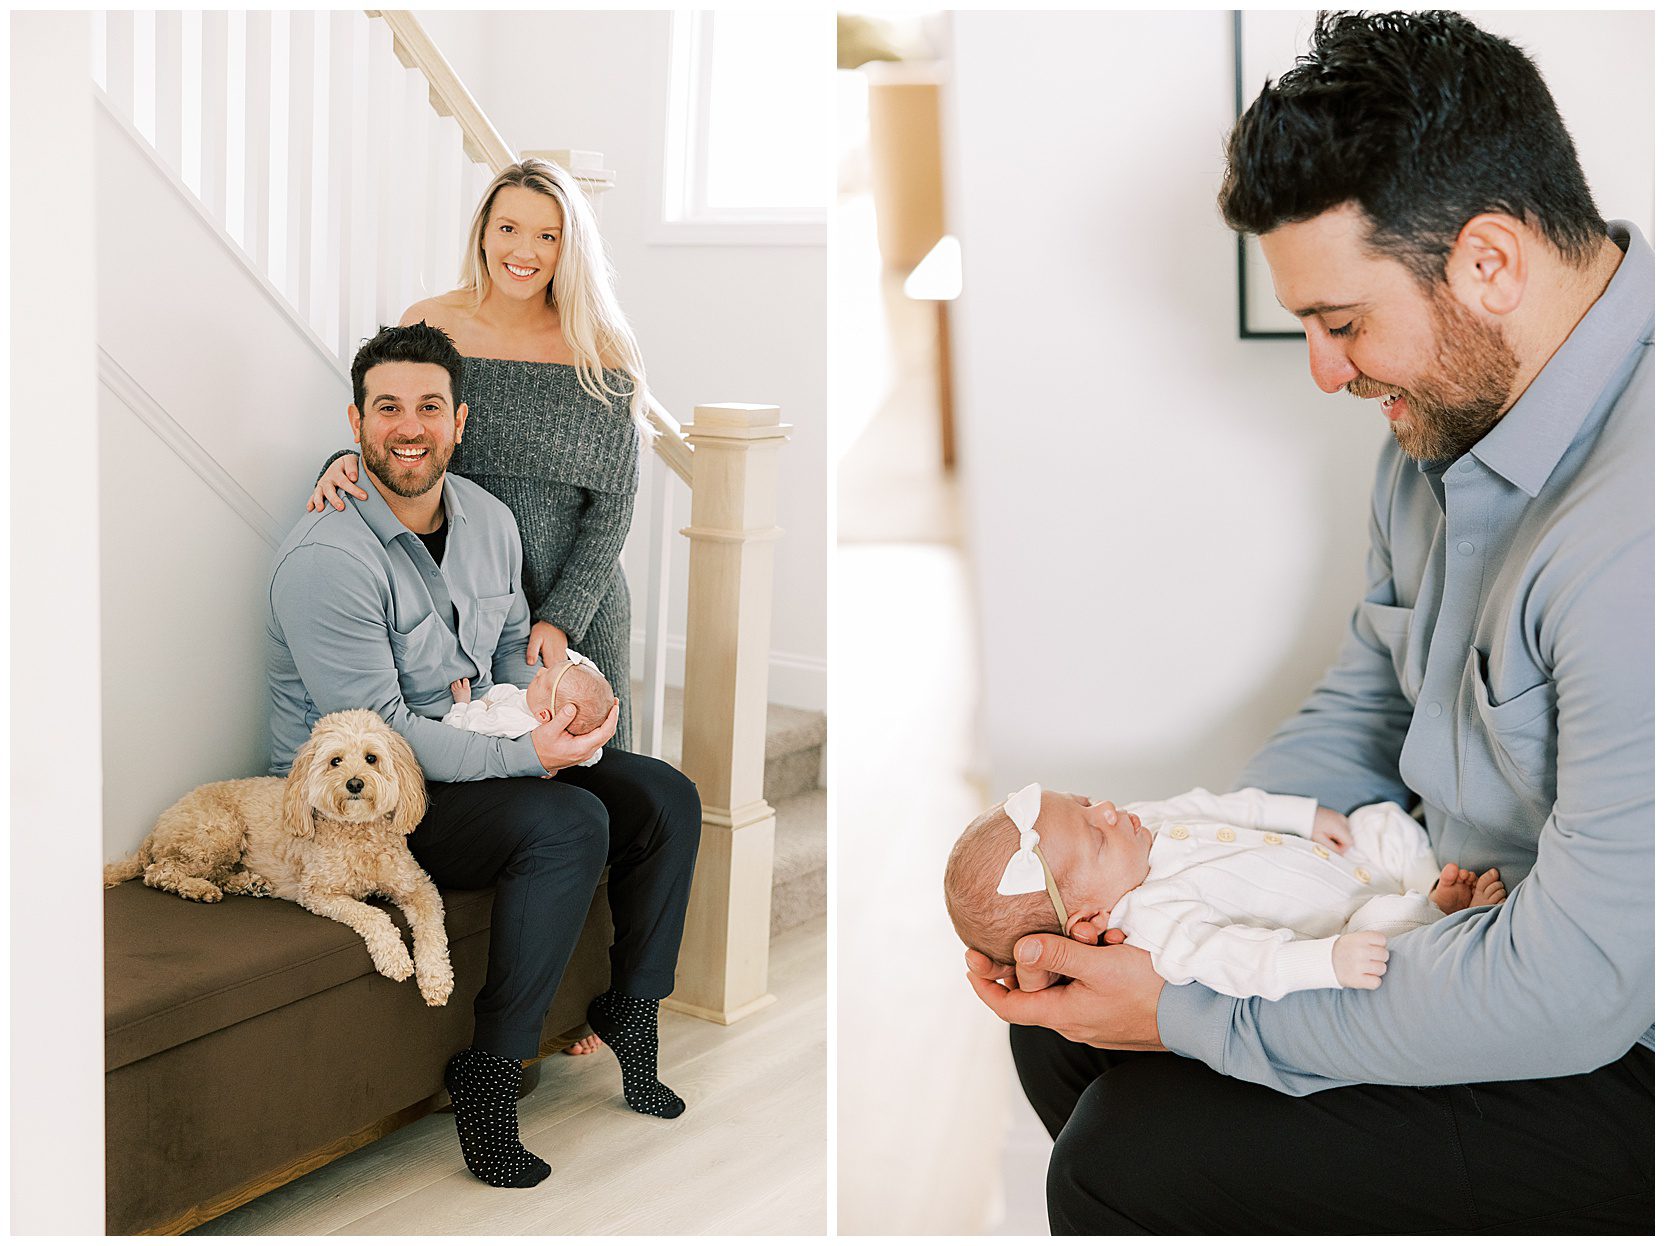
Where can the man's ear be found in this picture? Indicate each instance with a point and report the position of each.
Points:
(462, 418)
(1486, 269)
(355, 421)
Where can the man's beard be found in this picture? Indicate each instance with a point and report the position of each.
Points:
(398, 477)
(1462, 397)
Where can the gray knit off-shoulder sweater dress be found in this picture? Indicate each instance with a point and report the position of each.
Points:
(565, 465)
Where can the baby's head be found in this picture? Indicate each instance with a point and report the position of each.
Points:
(1096, 854)
(577, 685)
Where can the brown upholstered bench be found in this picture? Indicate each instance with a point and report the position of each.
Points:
(248, 1042)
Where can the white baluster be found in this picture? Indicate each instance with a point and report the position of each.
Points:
(297, 280)
(415, 279)
(656, 610)
(386, 91)
(236, 107)
(118, 60)
(169, 66)
(144, 74)
(347, 43)
(361, 316)
(446, 183)
(257, 138)
(214, 112)
(190, 101)
(100, 50)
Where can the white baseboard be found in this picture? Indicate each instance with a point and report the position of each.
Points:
(794, 679)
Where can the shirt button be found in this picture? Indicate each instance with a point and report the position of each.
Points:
(1466, 465)
(1179, 832)
(1273, 840)
(1321, 851)
(1434, 710)
(1465, 547)
(1362, 874)
(1225, 835)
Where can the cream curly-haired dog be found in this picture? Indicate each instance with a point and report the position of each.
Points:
(330, 834)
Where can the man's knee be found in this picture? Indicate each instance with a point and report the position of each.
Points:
(562, 822)
(1106, 1174)
(674, 805)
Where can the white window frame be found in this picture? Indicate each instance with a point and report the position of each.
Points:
(681, 215)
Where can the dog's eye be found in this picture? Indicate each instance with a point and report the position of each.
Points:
(371, 758)
(335, 761)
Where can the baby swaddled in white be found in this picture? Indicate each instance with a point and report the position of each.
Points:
(505, 710)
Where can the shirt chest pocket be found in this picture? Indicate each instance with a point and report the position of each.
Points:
(1391, 628)
(487, 627)
(1509, 741)
(418, 655)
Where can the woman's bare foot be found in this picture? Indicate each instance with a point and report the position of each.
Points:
(586, 1046)
(1459, 889)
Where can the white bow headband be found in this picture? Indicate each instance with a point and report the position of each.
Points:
(1027, 871)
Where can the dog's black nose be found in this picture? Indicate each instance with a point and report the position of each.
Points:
(355, 786)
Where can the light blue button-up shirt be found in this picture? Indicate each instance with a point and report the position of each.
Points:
(360, 617)
(1499, 669)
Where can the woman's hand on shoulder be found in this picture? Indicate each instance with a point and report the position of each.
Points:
(341, 475)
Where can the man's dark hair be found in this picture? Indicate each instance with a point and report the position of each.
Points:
(410, 343)
(1425, 121)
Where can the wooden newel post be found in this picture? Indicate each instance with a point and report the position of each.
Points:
(723, 973)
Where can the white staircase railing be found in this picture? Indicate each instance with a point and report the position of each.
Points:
(343, 157)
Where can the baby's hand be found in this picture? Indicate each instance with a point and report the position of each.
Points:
(1360, 959)
(460, 694)
(1330, 829)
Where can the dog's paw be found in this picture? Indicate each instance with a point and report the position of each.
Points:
(199, 889)
(247, 883)
(436, 991)
(392, 961)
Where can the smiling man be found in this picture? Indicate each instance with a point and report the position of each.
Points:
(382, 605)
(1422, 210)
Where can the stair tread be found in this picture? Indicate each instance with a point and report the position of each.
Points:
(788, 729)
(801, 833)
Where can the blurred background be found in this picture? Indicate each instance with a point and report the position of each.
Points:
(1087, 534)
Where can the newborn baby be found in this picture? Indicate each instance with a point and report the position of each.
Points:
(1247, 893)
(505, 710)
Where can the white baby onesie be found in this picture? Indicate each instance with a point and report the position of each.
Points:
(1241, 899)
(502, 710)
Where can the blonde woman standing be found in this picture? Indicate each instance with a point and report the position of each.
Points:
(554, 385)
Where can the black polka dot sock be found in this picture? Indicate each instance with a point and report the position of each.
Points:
(630, 1026)
(483, 1089)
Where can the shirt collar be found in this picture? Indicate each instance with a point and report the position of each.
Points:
(1531, 439)
(386, 525)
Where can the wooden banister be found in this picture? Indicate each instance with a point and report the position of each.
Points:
(450, 98)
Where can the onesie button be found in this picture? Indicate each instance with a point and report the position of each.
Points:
(1273, 840)
(1179, 832)
(1362, 874)
(1225, 835)
(1321, 851)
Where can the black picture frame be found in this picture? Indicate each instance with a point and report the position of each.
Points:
(1249, 328)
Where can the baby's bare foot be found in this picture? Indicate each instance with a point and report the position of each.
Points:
(1360, 959)
(460, 693)
(1488, 890)
(1454, 889)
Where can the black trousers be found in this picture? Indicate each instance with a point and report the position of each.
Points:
(542, 843)
(1147, 1142)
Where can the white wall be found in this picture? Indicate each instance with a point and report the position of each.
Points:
(716, 323)
(57, 1030)
(1166, 524)
(212, 424)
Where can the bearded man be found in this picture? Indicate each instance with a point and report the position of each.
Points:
(1422, 210)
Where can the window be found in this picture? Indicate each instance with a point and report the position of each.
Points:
(747, 128)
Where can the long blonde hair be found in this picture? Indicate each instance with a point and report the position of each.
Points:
(581, 289)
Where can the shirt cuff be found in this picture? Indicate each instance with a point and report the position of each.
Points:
(522, 757)
(1192, 1021)
(1305, 965)
(1294, 815)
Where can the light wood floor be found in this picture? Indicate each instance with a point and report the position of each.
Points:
(748, 1157)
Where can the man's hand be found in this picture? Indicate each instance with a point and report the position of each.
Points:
(556, 749)
(547, 643)
(1110, 1000)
